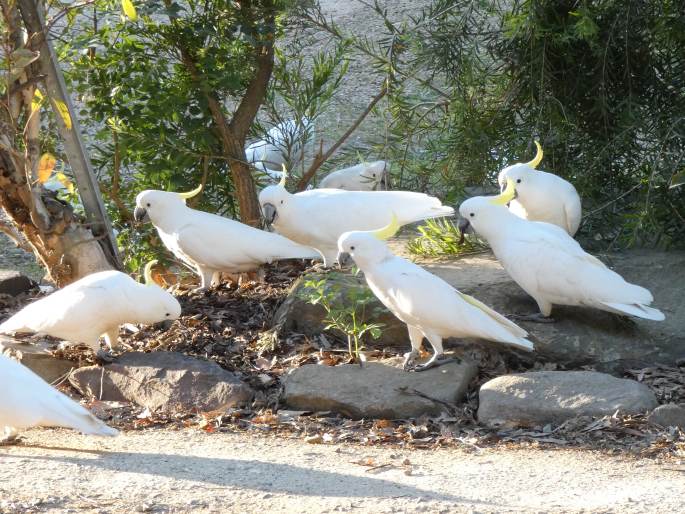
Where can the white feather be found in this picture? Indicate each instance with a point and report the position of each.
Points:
(28, 401)
(365, 176)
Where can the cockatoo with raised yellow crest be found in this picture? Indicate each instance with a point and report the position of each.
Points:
(429, 306)
(210, 244)
(549, 264)
(28, 401)
(542, 196)
(96, 305)
(318, 217)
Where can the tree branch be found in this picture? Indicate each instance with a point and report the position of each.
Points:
(15, 236)
(320, 158)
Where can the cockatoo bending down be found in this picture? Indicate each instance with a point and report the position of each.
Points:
(283, 142)
(211, 244)
(429, 306)
(28, 401)
(542, 196)
(366, 176)
(96, 305)
(549, 264)
(318, 217)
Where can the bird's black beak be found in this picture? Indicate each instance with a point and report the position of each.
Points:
(464, 226)
(344, 259)
(269, 212)
(140, 214)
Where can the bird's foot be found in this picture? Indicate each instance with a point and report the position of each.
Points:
(199, 290)
(103, 357)
(409, 360)
(538, 317)
(11, 438)
(435, 361)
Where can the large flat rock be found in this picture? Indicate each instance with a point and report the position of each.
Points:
(538, 398)
(580, 335)
(37, 357)
(167, 382)
(377, 390)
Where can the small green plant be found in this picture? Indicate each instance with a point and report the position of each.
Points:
(441, 237)
(346, 305)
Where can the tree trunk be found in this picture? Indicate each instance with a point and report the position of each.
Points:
(49, 226)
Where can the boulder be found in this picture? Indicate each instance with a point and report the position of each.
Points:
(14, 283)
(538, 398)
(378, 389)
(166, 382)
(580, 336)
(37, 357)
(670, 415)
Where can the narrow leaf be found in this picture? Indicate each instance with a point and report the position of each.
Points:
(36, 101)
(678, 179)
(64, 112)
(129, 9)
(46, 165)
(64, 180)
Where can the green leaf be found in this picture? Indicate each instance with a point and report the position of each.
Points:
(678, 179)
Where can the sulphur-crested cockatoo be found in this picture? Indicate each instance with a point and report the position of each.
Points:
(542, 196)
(281, 143)
(28, 401)
(96, 305)
(549, 264)
(429, 306)
(366, 176)
(318, 217)
(211, 244)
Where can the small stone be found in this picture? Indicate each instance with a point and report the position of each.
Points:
(314, 439)
(14, 283)
(166, 382)
(670, 415)
(538, 398)
(377, 390)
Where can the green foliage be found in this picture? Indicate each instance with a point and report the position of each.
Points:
(440, 237)
(346, 308)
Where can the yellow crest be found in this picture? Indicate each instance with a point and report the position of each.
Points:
(192, 193)
(284, 176)
(389, 230)
(507, 195)
(538, 156)
(147, 273)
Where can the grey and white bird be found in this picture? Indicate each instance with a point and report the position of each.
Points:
(365, 176)
(210, 244)
(429, 306)
(28, 401)
(549, 264)
(318, 217)
(93, 306)
(542, 196)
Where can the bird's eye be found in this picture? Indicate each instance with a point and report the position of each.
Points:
(472, 215)
(148, 205)
(374, 175)
(351, 247)
(281, 202)
(518, 180)
(167, 314)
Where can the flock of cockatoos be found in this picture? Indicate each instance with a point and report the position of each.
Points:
(529, 226)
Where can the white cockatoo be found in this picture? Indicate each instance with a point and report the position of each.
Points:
(318, 217)
(282, 142)
(542, 196)
(211, 244)
(96, 305)
(366, 176)
(429, 306)
(549, 264)
(28, 401)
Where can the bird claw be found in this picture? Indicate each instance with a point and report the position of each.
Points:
(11, 440)
(435, 361)
(103, 357)
(534, 318)
(409, 361)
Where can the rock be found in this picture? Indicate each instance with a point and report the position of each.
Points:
(538, 398)
(377, 390)
(37, 357)
(670, 415)
(166, 382)
(14, 283)
(580, 336)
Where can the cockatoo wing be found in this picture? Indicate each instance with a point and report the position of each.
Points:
(425, 301)
(222, 244)
(27, 400)
(573, 212)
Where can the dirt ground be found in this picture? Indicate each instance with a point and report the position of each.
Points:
(191, 471)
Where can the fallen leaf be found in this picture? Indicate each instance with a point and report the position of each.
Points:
(46, 165)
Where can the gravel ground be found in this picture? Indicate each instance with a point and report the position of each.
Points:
(191, 471)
